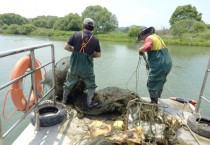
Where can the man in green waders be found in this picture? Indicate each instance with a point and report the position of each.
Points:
(84, 47)
(159, 60)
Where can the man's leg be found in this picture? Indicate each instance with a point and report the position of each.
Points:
(71, 80)
(153, 96)
(90, 83)
(90, 95)
(155, 89)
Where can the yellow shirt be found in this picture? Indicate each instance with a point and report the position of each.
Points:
(153, 42)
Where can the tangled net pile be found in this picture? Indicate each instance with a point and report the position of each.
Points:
(158, 129)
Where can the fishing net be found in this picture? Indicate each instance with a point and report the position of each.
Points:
(61, 69)
(131, 109)
(111, 99)
(158, 127)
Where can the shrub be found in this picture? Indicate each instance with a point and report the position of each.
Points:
(26, 29)
(134, 31)
(4, 27)
(13, 29)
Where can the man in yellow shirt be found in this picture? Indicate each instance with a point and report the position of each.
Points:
(159, 60)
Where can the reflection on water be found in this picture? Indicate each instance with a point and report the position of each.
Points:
(118, 66)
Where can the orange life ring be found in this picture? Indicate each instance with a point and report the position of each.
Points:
(17, 94)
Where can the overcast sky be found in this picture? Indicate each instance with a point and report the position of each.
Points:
(128, 12)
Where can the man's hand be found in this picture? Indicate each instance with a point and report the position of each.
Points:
(68, 47)
(96, 54)
(141, 53)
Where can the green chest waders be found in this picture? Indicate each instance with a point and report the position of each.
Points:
(160, 65)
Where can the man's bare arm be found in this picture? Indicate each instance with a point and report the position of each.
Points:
(68, 47)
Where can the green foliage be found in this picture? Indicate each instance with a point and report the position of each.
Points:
(189, 31)
(45, 21)
(11, 18)
(115, 37)
(26, 29)
(134, 31)
(204, 35)
(199, 26)
(185, 12)
(4, 27)
(51, 21)
(105, 21)
(71, 22)
(13, 29)
(208, 26)
(40, 23)
(187, 26)
(19, 29)
(55, 34)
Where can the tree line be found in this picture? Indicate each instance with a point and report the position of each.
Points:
(105, 21)
(185, 19)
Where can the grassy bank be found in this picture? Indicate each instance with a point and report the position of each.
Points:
(53, 34)
(187, 39)
(199, 39)
(186, 42)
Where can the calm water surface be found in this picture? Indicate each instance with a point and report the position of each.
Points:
(117, 67)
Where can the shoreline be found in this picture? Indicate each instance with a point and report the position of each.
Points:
(122, 38)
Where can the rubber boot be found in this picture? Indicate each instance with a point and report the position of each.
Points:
(159, 92)
(154, 100)
(90, 103)
(90, 95)
(65, 97)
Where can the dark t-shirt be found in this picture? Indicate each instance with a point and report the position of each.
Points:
(76, 41)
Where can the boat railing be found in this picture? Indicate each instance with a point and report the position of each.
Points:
(31, 50)
(203, 88)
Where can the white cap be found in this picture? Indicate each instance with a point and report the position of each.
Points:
(88, 21)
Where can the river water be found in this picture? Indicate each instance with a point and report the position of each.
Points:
(118, 66)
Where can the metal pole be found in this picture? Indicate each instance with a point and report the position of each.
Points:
(26, 114)
(24, 49)
(1, 133)
(33, 77)
(53, 73)
(203, 86)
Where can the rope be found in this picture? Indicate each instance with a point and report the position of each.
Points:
(196, 139)
(4, 105)
(136, 73)
(146, 112)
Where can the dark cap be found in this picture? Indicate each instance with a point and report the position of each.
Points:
(146, 31)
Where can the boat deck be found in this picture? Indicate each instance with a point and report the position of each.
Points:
(75, 131)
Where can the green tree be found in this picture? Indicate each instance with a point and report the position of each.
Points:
(11, 18)
(51, 21)
(45, 21)
(208, 26)
(70, 22)
(104, 20)
(26, 29)
(13, 29)
(199, 26)
(187, 26)
(134, 31)
(185, 12)
(40, 23)
(4, 27)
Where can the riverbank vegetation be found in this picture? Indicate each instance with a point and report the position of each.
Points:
(187, 27)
